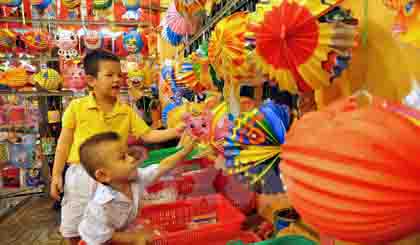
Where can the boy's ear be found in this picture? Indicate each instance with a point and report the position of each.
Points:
(102, 176)
(91, 80)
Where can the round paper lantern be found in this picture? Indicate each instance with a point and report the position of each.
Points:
(36, 41)
(15, 78)
(48, 79)
(353, 172)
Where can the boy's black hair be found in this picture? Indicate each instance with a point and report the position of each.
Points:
(91, 61)
(90, 158)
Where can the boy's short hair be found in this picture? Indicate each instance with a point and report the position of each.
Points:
(90, 158)
(91, 61)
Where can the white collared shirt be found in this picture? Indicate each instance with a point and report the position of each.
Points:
(110, 211)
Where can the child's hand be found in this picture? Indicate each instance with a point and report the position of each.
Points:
(180, 129)
(143, 236)
(188, 143)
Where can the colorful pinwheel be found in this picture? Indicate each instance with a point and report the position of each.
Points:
(292, 43)
(253, 146)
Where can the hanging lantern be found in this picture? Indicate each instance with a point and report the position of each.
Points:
(15, 78)
(36, 41)
(353, 172)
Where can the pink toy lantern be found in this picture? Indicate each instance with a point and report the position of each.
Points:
(75, 78)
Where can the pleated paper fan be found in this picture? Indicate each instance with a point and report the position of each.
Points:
(7, 39)
(190, 8)
(172, 37)
(178, 23)
(253, 146)
(292, 44)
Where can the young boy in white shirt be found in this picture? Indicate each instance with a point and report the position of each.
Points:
(116, 201)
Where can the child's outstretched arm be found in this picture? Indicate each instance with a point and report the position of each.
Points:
(171, 162)
(158, 136)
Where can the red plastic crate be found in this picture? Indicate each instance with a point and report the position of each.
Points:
(172, 221)
(191, 184)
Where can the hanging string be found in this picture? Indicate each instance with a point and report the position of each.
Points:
(23, 13)
(366, 23)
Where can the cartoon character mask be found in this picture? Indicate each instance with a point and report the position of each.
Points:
(132, 42)
(93, 39)
(66, 41)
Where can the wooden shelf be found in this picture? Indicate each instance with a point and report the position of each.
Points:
(74, 22)
(37, 93)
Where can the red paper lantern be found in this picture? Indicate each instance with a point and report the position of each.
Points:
(354, 172)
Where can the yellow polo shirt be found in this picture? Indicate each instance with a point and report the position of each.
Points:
(84, 116)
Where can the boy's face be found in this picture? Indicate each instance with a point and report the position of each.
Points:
(119, 167)
(107, 82)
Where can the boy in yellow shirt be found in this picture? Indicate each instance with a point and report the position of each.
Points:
(97, 113)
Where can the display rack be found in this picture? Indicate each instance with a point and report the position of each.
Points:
(21, 195)
(222, 10)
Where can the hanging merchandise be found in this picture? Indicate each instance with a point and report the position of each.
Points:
(253, 147)
(93, 39)
(48, 79)
(4, 152)
(210, 126)
(16, 115)
(102, 9)
(7, 40)
(48, 144)
(133, 9)
(362, 183)
(21, 155)
(11, 3)
(294, 53)
(230, 58)
(72, 7)
(36, 41)
(66, 41)
(137, 83)
(178, 23)
(33, 177)
(407, 24)
(171, 37)
(190, 8)
(133, 42)
(194, 74)
(41, 4)
(14, 78)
